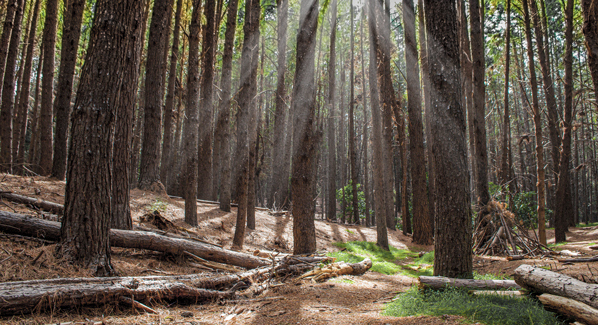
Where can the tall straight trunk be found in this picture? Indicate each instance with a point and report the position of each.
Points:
(49, 44)
(155, 67)
(244, 113)
(452, 233)
(206, 110)
(342, 149)
(11, 9)
(167, 144)
(254, 129)
(403, 195)
(379, 194)
(23, 106)
(590, 31)
(422, 228)
(191, 124)
(8, 89)
(366, 180)
(331, 195)
(222, 132)
(563, 204)
(303, 107)
(36, 120)
(541, 191)
(506, 145)
(62, 105)
(107, 84)
(352, 150)
(549, 96)
(480, 158)
(423, 54)
(279, 180)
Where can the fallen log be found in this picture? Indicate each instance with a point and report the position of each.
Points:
(578, 260)
(50, 230)
(321, 274)
(439, 282)
(543, 281)
(38, 203)
(570, 307)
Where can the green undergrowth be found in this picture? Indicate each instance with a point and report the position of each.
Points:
(486, 309)
(385, 261)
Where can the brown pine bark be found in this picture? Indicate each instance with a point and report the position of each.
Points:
(11, 9)
(379, 195)
(155, 68)
(352, 149)
(167, 144)
(366, 170)
(541, 191)
(330, 102)
(452, 233)
(255, 121)
(303, 107)
(506, 131)
(590, 31)
(62, 104)
(563, 199)
(49, 44)
(342, 149)
(111, 63)
(422, 229)
(480, 157)
(222, 133)
(23, 105)
(206, 109)
(245, 111)
(191, 124)
(8, 89)
(33, 155)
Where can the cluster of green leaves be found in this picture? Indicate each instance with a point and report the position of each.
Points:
(158, 205)
(348, 199)
(487, 309)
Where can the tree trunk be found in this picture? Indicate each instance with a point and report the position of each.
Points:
(366, 170)
(439, 283)
(331, 195)
(342, 149)
(279, 178)
(167, 144)
(11, 9)
(191, 126)
(379, 195)
(35, 124)
(590, 31)
(245, 112)
(49, 44)
(538, 126)
(563, 197)
(68, 61)
(155, 68)
(8, 89)
(254, 130)
(222, 133)
(570, 307)
(539, 280)
(352, 131)
(422, 229)
(506, 131)
(303, 107)
(206, 110)
(452, 233)
(23, 106)
(106, 83)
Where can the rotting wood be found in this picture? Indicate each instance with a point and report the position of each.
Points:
(439, 282)
(321, 274)
(570, 307)
(50, 230)
(543, 281)
(38, 203)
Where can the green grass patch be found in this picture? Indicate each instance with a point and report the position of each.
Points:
(342, 280)
(557, 244)
(158, 205)
(487, 309)
(591, 224)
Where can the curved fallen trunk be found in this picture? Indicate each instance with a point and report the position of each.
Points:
(34, 227)
(439, 282)
(38, 203)
(321, 274)
(543, 281)
(570, 307)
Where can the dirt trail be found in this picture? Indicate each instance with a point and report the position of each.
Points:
(346, 300)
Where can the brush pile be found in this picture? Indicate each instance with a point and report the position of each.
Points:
(498, 232)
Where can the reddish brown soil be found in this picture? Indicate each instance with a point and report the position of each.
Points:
(303, 302)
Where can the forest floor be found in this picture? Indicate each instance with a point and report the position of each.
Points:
(345, 300)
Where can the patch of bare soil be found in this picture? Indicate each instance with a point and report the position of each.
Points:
(345, 300)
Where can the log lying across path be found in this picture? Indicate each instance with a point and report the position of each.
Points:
(570, 307)
(439, 282)
(543, 281)
(34, 227)
(38, 203)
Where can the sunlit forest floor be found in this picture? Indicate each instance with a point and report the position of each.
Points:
(345, 300)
